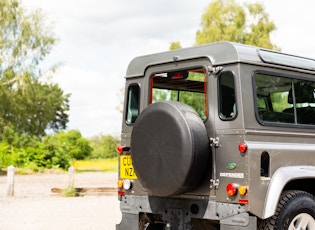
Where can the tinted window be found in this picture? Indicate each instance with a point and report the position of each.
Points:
(227, 102)
(285, 100)
(133, 103)
(186, 86)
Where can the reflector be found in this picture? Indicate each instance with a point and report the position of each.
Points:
(244, 201)
(121, 192)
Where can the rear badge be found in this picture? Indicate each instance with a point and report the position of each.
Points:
(231, 166)
(232, 175)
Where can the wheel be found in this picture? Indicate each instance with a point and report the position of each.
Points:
(295, 211)
(170, 148)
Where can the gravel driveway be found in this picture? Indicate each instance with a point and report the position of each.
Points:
(35, 207)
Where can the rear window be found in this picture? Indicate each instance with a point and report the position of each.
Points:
(186, 86)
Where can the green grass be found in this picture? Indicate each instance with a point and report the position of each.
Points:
(69, 192)
(103, 165)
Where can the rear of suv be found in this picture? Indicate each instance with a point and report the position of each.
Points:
(219, 136)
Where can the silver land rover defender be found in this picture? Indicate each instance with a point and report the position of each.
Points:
(218, 136)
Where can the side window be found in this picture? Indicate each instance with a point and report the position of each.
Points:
(186, 86)
(132, 103)
(227, 101)
(284, 100)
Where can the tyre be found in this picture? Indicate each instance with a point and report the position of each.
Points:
(295, 211)
(170, 148)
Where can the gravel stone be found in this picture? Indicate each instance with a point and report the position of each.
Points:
(34, 207)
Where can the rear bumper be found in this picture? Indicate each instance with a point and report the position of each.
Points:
(181, 211)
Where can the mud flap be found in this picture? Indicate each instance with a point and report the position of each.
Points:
(239, 222)
(128, 222)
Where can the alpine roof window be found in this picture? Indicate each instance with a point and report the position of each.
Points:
(286, 60)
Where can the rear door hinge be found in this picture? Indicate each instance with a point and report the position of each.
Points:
(214, 183)
(214, 142)
(215, 70)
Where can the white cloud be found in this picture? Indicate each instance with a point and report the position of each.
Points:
(98, 38)
(93, 102)
(294, 23)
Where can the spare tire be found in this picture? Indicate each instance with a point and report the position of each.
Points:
(170, 148)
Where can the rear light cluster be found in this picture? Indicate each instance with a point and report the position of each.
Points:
(122, 149)
(124, 184)
(232, 189)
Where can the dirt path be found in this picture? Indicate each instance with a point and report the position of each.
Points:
(34, 207)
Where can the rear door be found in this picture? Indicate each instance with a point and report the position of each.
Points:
(188, 82)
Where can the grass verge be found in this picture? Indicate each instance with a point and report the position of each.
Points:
(103, 165)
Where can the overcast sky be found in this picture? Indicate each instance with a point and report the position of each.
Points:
(98, 38)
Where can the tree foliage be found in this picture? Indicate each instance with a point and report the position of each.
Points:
(104, 146)
(175, 45)
(54, 151)
(76, 146)
(227, 20)
(25, 39)
(28, 104)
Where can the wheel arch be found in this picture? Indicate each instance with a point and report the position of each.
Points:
(286, 178)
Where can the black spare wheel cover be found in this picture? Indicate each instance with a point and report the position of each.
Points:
(170, 148)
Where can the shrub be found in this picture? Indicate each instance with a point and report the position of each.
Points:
(53, 151)
(104, 146)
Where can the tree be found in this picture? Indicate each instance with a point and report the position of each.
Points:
(62, 148)
(73, 144)
(104, 146)
(175, 45)
(28, 104)
(24, 39)
(227, 20)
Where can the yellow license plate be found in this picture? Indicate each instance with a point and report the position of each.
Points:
(126, 168)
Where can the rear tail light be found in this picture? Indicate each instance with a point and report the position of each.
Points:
(231, 189)
(122, 149)
(242, 147)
